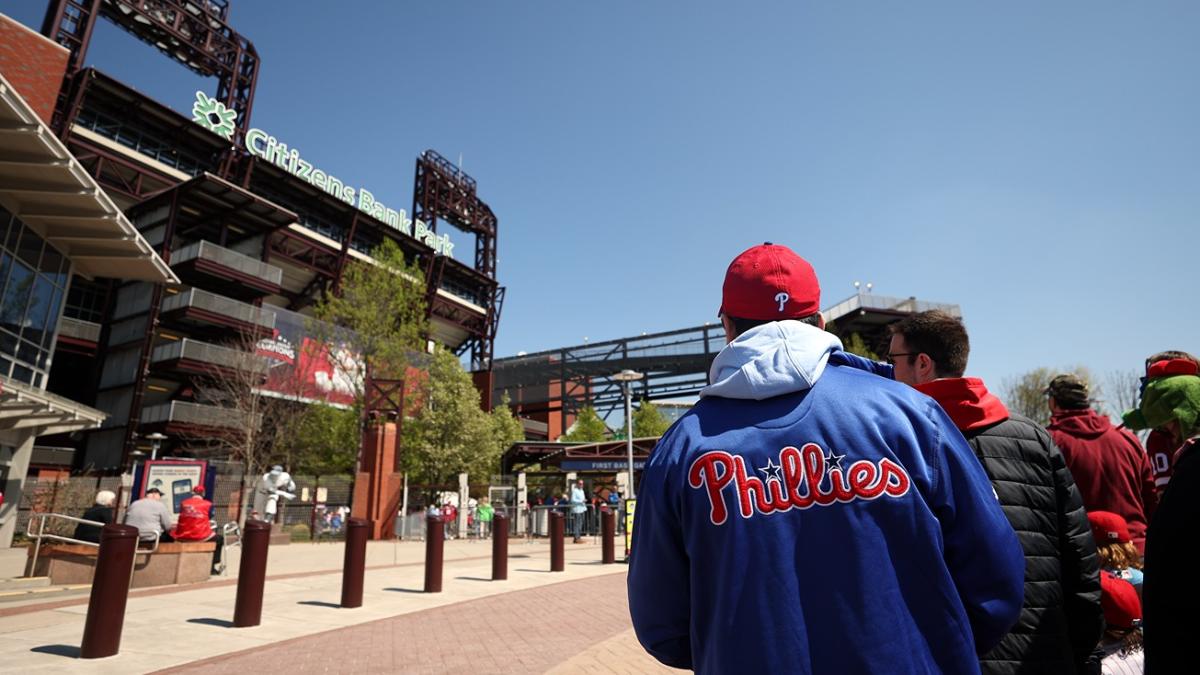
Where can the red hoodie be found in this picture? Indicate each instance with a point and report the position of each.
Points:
(1109, 466)
(966, 400)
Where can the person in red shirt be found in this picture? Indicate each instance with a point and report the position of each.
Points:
(195, 524)
(1160, 445)
(1110, 467)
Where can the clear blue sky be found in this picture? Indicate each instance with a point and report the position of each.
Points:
(1036, 163)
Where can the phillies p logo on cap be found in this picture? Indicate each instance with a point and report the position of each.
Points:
(770, 282)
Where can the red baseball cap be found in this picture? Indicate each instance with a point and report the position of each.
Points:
(1108, 528)
(1118, 598)
(770, 282)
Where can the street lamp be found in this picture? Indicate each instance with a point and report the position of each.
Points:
(156, 440)
(625, 377)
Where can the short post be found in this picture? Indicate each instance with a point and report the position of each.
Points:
(556, 541)
(110, 591)
(252, 574)
(499, 547)
(608, 529)
(435, 538)
(354, 564)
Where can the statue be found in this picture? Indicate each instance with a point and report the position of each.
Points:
(274, 484)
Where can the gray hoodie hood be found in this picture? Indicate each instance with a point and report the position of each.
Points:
(781, 357)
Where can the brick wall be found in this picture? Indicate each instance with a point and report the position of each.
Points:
(33, 64)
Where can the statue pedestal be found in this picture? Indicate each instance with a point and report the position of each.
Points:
(377, 487)
(279, 536)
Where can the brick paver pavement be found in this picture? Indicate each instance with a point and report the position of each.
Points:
(529, 631)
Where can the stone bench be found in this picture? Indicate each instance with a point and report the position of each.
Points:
(173, 563)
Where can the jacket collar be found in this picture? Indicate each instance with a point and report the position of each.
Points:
(966, 400)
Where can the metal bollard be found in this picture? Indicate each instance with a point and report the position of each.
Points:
(499, 547)
(556, 542)
(435, 540)
(608, 529)
(110, 591)
(354, 565)
(252, 574)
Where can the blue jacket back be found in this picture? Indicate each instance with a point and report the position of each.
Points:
(842, 528)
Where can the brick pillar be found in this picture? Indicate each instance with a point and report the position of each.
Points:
(377, 487)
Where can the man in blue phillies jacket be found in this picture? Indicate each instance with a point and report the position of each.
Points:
(807, 516)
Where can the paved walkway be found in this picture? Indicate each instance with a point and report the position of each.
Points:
(533, 622)
(571, 627)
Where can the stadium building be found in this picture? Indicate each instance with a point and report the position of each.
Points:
(248, 230)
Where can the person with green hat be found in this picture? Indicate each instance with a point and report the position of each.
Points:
(1170, 594)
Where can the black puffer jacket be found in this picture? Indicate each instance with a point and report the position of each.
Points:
(1061, 620)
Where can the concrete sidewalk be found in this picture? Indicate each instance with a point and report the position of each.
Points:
(177, 625)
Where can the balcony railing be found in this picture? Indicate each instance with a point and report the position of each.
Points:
(79, 329)
(206, 250)
(203, 352)
(211, 302)
(197, 414)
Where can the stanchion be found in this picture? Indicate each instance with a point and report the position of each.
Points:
(556, 542)
(608, 529)
(499, 547)
(354, 565)
(252, 574)
(435, 537)
(110, 591)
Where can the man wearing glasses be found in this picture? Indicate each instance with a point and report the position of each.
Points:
(807, 516)
(1061, 619)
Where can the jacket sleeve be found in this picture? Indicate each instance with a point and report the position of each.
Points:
(1145, 477)
(164, 517)
(981, 549)
(1080, 563)
(659, 573)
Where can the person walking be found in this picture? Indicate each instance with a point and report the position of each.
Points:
(1109, 465)
(809, 516)
(1061, 617)
(1170, 595)
(578, 510)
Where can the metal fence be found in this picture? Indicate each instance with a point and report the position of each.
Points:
(68, 495)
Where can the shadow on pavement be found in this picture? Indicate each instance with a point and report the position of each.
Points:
(319, 603)
(208, 621)
(405, 590)
(589, 562)
(473, 578)
(526, 569)
(69, 651)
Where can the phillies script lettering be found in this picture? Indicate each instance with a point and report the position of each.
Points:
(802, 483)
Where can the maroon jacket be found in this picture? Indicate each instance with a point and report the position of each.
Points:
(1109, 466)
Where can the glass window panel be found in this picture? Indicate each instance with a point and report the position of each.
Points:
(5, 364)
(16, 297)
(27, 352)
(10, 242)
(5, 263)
(30, 247)
(8, 343)
(52, 313)
(22, 374)
(39, 307)
(52, 265)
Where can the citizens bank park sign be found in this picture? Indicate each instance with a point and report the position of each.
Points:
(219, 119)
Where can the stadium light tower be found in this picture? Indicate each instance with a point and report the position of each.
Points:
(625, 377)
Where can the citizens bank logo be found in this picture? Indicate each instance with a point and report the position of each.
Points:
(213, 115)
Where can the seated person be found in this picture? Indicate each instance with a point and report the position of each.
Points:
(195, 524)
(101, 512)
(150, 516)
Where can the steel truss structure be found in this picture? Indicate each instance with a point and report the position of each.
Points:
(192, 32)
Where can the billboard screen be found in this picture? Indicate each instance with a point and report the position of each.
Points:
(303, 365)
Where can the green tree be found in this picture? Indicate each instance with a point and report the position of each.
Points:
(506, 428)
(326, 440)
(1026, 393)
(588, 427)
(648, 421)
(449, 434)
(378, 311)
(855, 344)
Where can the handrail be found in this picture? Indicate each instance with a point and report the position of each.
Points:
(42, 534)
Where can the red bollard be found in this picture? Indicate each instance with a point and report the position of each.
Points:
(608, 529)
(556, 542)
(110, 591)
(354, 565)
(252, 574)
(499, 547)
(435, 538)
